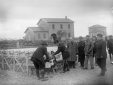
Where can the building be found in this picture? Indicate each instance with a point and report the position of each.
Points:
(36, 33)
(95, 29)
(49, 26)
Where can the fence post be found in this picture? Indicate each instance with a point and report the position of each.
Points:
(17, 44)
(13, 63)
(27, 66)
(2, 62)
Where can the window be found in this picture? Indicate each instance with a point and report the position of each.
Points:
(61, 26)
(69, 35)
(39, 36)
(53, 26)
(44, 35)
(68, 26)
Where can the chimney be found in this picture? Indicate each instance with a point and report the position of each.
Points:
(66, 17)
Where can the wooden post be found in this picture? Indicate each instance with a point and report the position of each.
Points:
(2, 62)
(18, 45)
(27, 66)
(13, 63)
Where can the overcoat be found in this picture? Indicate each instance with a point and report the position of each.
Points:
(39, 54)
(110, 45)
(73, 50)
(101, 49)
(81, 53)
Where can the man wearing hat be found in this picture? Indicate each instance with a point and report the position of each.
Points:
(101, 54)
(38, 60)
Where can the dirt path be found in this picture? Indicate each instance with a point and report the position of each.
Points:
(73, 77)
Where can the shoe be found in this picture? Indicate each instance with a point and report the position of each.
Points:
(85, 68)
(74, 67)
(67, 70)
(92, 68)
(39, 78)
(101, 74)
(44, 79)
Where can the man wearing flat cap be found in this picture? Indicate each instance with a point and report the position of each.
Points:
(101, 54)
(38, 60)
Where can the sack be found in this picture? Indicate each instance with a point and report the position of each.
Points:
(47, 65)
(58, 57)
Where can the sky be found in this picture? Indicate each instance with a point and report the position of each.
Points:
(17, 15)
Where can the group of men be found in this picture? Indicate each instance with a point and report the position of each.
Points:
(86, 50)
(91, 48)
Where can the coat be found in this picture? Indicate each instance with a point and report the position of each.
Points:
(94, 48)
(62, 48)
(110, 45)
(73, 50)
(39, 54)
(81, 53)
(89, 48)
(101, 49)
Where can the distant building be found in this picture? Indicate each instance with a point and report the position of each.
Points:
(95, 29)
(36, 33)
(48, 26)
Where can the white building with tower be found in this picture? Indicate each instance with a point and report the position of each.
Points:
(95, 29)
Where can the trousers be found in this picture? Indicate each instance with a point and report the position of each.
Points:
(91, 58)
(102, 64)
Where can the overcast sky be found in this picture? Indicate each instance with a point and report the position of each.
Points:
(17, 15)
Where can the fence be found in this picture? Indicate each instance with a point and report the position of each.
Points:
(16, 61)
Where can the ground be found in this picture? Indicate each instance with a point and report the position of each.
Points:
(73, 77)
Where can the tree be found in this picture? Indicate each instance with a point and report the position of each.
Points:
(61, 33)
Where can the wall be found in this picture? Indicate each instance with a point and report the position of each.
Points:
(41, 36)
(65, 27)
(95, 31)
(29, 35)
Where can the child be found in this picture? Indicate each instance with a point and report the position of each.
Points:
(48, 65)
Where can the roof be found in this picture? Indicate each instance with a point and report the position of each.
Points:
(97, 26)
(35, 29)
(58, 20)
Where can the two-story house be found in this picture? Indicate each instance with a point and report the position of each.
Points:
(49, 26)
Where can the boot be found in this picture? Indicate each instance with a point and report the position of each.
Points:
(38, 75)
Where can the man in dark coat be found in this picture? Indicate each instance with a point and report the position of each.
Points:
(94, 39)
(101, 54)
(65, 54)
(38, 59)
(73, 50)
(81, 53)
(110, 47)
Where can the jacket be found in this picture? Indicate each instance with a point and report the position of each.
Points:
(101, 49)
(39, 54)
(89, 48)
(62, 48)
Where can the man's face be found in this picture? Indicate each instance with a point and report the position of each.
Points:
(93, 38)
(87, 38)
(80, 39)
(98, 38)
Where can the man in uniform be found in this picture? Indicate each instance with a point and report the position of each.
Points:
(101, 54)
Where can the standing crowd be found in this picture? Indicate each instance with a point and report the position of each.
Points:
(91, 49)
